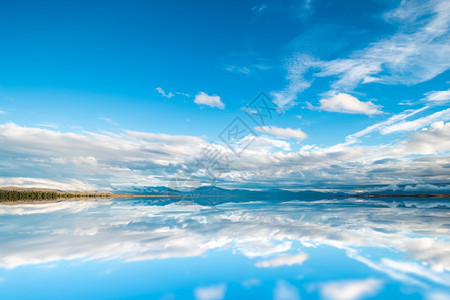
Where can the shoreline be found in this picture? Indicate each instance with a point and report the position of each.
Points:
(115, 196)
(12, 195)
(420, 196)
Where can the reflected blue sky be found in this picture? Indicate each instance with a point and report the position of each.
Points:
(140, 249)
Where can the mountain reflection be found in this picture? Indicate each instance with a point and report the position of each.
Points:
(407, 241)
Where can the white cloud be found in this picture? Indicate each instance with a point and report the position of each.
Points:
(296, 68)
(65, 185)
(285, 291)
(183, 94)
(412, 55)
(381, 126)
(108, 120)
(1, 111)
(92, 160)
(250, 283)
(48, 125)
(434, 251)
(258, 9)
(283, 260)
(350, 289)
(211, 101)
(416, 269)
(435, 139)
(243, 70)
(191, 230)
(438, 96)
(283, 132)
(442, 115)
(106, 161)
(426, 187)
(213, 292)
(346, 103)
(418, 52)
(438, 295)
(163, 93)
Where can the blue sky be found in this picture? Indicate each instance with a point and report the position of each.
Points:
(104, 95)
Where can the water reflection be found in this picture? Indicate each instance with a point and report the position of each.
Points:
(331, 249)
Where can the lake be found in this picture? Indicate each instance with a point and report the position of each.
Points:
(343, 248)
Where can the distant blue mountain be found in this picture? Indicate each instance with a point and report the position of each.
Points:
(219, 192)
(213, 195)
(151, 190)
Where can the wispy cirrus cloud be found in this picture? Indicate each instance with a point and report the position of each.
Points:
(438, 96)
(297, 83)
(417, 52)
(419, 123)
(247, 62)
(381, 126)
(107, 120)
(399, 123)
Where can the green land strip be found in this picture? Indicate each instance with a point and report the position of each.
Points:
(47, 195)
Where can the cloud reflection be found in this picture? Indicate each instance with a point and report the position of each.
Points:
(268, 233)
(350, 289)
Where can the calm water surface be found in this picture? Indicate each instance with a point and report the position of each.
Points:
(151, 249)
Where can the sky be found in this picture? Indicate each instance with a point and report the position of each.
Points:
(324, 95)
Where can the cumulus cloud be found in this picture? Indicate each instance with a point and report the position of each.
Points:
(435, 139)
(213, 292)
(350, 289)
(438, 96)
(283, 132)
(211, 101)
(163, 93)
(346, 103)
(283, 260)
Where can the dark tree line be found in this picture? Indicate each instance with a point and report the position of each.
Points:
(11, 195)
